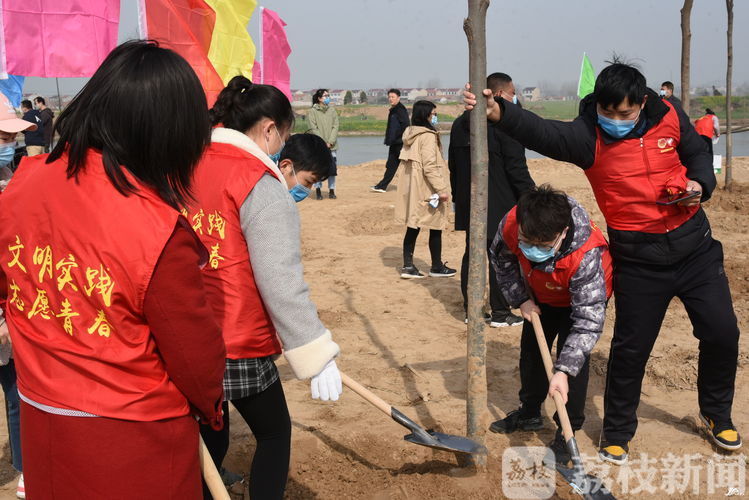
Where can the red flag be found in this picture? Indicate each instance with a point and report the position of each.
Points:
(56, 39)
(276, 50)
(186, 27)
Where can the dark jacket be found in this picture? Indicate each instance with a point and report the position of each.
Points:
(35, 138)
(674, 100)
(397, 123)
(47, 116)
(508, 174)
(575, 142)
(588, 294)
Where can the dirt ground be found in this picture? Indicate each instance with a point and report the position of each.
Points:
(406, 340)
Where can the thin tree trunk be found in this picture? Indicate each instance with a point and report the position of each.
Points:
(729, 79)
(476, 401)
(686, 42)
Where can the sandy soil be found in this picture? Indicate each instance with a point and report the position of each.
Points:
(406, 341)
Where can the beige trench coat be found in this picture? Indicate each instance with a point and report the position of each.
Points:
(422, 172)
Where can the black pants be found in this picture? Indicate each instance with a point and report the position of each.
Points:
(534, 385)
(643, 294)
(268, 417)
(391, 166)
(497, 301)
(435, 246)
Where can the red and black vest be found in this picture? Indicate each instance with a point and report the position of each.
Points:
(224, 178)
(554, 288)
(629, 176)
(78, 257)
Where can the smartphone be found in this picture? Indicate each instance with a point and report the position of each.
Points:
(686, 195)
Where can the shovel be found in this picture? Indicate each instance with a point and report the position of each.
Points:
(587, 485)
(418, 435)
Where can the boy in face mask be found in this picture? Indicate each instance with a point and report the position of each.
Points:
(552, 260)
(304, 160)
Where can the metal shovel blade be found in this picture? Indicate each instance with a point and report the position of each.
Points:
(589, 486)
(438, 440)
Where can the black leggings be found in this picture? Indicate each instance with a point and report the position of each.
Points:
(435, 246)
(267, 416)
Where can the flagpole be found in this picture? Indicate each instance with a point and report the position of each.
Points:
(59, 98)
(260, 60)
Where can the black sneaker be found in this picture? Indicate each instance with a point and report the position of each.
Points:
(508, 320)
(411, 272)
(318, 193)
(331, 194)
(616, 454)
(559, 447)
(514, 421)
(228, 477)
(442, 272)
(723, 434)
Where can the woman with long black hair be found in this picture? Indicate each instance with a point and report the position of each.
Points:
(423, 190)
(246, 217)
(115, 345)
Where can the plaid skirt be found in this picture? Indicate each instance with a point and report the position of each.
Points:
(245, 377)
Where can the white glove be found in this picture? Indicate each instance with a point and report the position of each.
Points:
(327, 385)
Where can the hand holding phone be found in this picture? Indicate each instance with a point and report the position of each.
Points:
(674, 199)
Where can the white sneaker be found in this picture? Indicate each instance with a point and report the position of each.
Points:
(375, 189)
(21, 488)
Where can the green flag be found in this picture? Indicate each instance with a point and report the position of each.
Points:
(587, 78)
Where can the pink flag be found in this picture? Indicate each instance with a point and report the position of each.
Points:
(276, 50)
(53, 38)
(257, 73)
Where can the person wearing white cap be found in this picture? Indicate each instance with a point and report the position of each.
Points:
(10, 125)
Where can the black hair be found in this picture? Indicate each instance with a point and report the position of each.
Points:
(668, 85)
(145, 110)
(242, 104)
(310, 153)
(420, 114)
(318, 95)
(543, 213)
(617, 82)
(26, 104)
(497, 81)
(40, 100)
(709, 111)
(395, 91)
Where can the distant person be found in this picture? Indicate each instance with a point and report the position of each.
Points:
(323, 122)
(10, 125)
(508, 179)
(34, 139)
(48, 117)
(397, 123)
(423, 190)
(552, 260)
(708, 126)
(667, 93)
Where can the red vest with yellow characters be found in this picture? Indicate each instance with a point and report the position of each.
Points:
(78, 258)
(704, 126)
(628, 177)
(224, 178)
(554, 288)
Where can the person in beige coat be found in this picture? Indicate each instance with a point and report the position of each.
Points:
(423, 190)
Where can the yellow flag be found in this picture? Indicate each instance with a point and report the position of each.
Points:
(232, 51)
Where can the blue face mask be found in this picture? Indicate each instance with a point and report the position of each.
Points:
(515, 99)
(616, 128)
(326, 101)
(299, 192)
(535, 253)
(275, 157)
(434, 120)
(7, 152)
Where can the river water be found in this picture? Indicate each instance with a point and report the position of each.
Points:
(353, 150)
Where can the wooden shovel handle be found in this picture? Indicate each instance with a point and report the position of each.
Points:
(210, 474)
(564, 419)
(366, 394)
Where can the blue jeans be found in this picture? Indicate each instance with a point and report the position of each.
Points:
(331, 179)
(12, 405)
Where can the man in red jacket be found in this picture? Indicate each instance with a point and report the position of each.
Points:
(649, 171)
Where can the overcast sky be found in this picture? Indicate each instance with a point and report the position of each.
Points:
(413, 43)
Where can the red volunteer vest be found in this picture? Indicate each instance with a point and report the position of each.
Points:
(704, 126)
(554, 288)
(78, 257)
(628, 176)
(223, 179)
